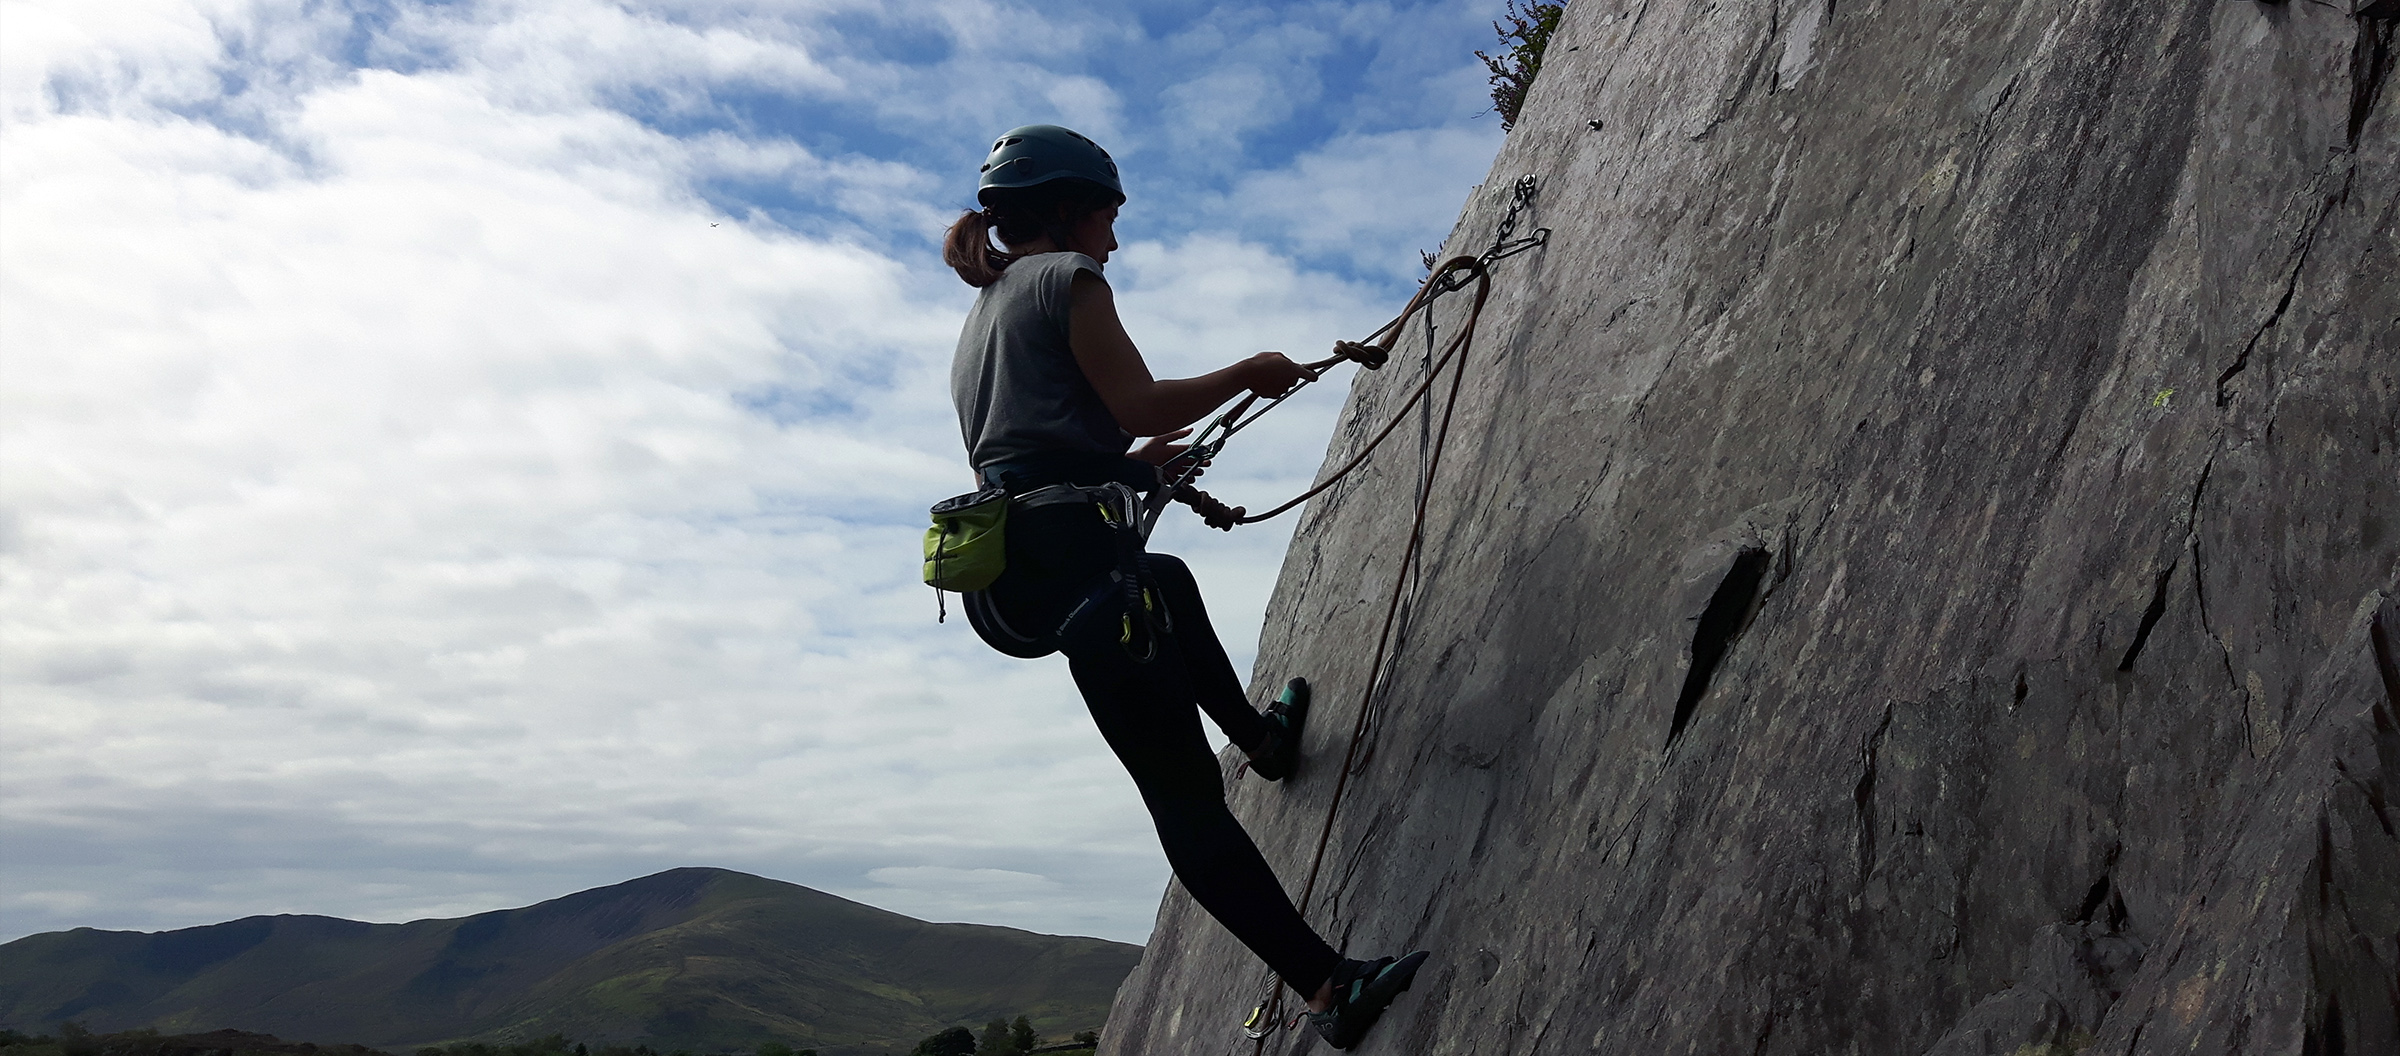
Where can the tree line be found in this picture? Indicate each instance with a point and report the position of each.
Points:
(1000, 1038)
(558, 1045)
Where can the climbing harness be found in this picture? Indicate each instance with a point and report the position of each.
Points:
(1125, 588)
(1457, 273)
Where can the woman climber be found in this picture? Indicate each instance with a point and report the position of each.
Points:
(1050, 394)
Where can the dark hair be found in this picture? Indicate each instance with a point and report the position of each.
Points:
(1020, 215)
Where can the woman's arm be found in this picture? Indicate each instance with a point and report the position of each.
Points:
(1143, 405)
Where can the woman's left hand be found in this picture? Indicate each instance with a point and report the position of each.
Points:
(1158, 450)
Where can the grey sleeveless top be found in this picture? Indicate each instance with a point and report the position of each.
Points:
(1015, 382)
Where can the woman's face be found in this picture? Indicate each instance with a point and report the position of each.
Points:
(1096, 234)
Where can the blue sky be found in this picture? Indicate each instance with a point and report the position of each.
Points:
(453, 454)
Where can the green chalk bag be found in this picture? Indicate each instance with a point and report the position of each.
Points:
(967, 546)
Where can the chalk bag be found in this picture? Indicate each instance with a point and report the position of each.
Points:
(967, 546)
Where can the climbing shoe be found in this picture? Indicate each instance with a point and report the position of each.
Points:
(1361, 991)
(1285, 717)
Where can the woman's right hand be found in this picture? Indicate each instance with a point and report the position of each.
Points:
(1271, 374)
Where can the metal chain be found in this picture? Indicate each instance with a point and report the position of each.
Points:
(1505, 244)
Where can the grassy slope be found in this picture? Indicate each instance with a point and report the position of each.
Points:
(691, 958)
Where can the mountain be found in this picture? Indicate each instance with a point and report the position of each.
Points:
(700, 959)
(1915, 567)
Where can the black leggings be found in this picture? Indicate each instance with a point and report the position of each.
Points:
(1149, 714)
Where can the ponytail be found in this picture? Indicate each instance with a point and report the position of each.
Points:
(968, 249)
(1019, 215)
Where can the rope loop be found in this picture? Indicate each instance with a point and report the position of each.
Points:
(1448, 276)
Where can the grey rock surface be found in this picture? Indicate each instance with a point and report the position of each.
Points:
(2006, 398)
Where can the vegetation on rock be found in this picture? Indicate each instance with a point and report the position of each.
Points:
(1526, 36)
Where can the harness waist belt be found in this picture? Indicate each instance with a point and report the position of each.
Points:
(1021, 475)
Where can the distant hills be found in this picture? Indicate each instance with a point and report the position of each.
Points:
(708, 960)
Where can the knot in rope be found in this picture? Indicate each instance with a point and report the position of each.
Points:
(1372, 357)
(1210, 508)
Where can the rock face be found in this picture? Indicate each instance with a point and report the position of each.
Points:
(1916, 569)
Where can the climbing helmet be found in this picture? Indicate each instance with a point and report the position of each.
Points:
(1035, 154)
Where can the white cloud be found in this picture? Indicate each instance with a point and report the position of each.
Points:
(1368, 199)
(423, 461)
(417, 497)
(147, 48)
(1266, 75)
(532, 51)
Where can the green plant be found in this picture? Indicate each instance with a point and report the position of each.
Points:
(996, 1041)
(1527, 35)
(956, 1041)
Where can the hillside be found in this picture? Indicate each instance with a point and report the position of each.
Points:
(1915, 569)
(701, 959)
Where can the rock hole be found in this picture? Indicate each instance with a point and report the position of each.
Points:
(2324, 854)
(1863, 798)
(1728, 614)
(2103, 905)
(2019, 702)
(2158, 608)
(2325, 1037)
(2387, 662)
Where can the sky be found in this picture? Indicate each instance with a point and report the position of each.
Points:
(454, 454)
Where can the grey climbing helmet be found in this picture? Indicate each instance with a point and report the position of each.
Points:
(1033, 154)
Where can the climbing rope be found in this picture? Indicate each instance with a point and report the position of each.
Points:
(1449, 277)
(1457, 273)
